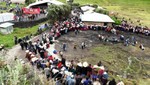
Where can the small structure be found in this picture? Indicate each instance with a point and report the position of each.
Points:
(6, 28)
(4, 17)
(87, 8)
(91, 18)
(44, 4)
(18, 1)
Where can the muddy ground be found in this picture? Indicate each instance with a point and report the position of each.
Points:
(91, 40)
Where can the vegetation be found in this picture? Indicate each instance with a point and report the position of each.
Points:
(29, 1)
(56, 12)
(8, 40)
(133, 9)
(98, 10)
(16, 74)
(116, 59)
(70, 2)
(117, 21)
(5, 8)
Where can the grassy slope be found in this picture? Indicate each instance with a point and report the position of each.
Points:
(134, 9)
(19, 32)
(115, 58)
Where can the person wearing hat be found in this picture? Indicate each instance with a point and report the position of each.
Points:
(104, 78)
(83, 45)
(79, 68)
(84, 68)
(120, 83)
(96, 82)
(101, 71)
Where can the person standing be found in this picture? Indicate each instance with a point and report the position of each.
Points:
(22, 44)
(75, 46)
(83, 45)
(26, 45)
(15, 40)
(64, 46)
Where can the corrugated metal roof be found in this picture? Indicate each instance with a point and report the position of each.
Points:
(95, 17)
(7, 24)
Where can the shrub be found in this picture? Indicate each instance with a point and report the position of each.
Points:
(117, 21)
(76, 4)
(16, 74)
(98, 10)
(94, 5)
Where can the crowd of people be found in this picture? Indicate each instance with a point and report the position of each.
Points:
(42, 54)
(53, 63)
(63, 71)
(127, 27)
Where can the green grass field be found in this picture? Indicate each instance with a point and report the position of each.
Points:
(8, 40)
(115, 58)
(133, 9)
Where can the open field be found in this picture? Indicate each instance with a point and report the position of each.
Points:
(115, 57)
(133, 9)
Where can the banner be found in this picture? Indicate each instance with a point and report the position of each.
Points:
(31, 10)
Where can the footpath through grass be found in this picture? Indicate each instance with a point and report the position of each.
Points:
(133, 9)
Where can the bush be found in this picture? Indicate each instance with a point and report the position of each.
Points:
(76, 4)
(94, 5)
(117, 21)
(102, 11)
(15, 74)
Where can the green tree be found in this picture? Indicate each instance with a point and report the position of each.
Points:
(70, 2)
(56, 12)
(29, 1)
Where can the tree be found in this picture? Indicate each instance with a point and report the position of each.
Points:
(29, 1)
(56, 12)
(70, 2)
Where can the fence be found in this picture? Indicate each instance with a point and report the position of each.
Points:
(26, 24)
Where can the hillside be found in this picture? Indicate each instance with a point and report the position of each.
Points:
(133, 9)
